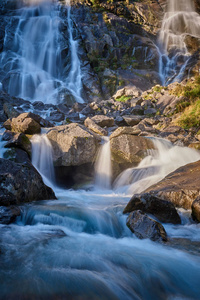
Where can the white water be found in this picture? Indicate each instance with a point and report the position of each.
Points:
(33, 62)
(2, 143)
(103, 170)
(78, 247)
(180, 21)
(160, 162)
(42, 158)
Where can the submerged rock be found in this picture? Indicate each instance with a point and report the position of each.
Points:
(163, 210)
(9, 214)
(181, 187)
(145, 227)
(21, 183)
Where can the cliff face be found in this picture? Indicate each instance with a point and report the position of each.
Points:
(119, 40)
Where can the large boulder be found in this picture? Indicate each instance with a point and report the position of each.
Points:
(127, 150)
(181, 187)
(73, 145)
(145, 227)
(27, 123)
(163, 210)
(21, 183)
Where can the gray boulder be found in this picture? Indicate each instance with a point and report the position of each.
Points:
(163, 210)
(21, 183)
(145, 227)
(73, 145)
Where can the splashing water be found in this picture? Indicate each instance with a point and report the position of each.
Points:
(34, 61)
(42, 158)
(103, 166)
(179, 22)
(159, 163)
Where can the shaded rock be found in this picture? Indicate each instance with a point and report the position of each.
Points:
(73, 145)
(94, 127)
(19, 140)
(10, 111)
(9, 214)
(196, 209)
(145, 227)
(17, 155)
(7, 124)
(181, 187)
(103, 121)
(21, 183)
(131, 120)
(172, 130)
(163, 210)
(150, 111)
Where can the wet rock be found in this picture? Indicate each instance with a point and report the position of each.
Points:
(21, 183)
(73, 144)
(103, 121)
(131, 120)
(163, 210)
(17, 155)
(10, 111)
(19, 140)
(196, 209)
(145, 227)
(94, 127)
(9, 214)
(180, 187)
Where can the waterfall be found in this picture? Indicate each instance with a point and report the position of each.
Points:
(2, 143)
(180, 22)
(74, 82)
(42, 158)
(34, 61)
(165, 159)
(103, 170)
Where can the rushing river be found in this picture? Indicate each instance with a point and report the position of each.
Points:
(78, 247)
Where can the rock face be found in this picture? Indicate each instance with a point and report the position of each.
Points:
(163, 210)
(21, 183)
(73, 145)
(128, 150)
(196, 209)
(181, 187)
(145, 227)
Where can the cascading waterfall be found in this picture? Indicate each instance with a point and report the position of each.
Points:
(165, 159)
(42, 158)
(103, 171)
(180, 22)
(74, 82)
(33, 62)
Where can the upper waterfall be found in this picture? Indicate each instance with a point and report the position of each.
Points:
(180, 23)
(41, 61)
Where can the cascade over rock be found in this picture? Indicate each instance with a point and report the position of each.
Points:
(181, 187)
(21, 183)
(127, 150)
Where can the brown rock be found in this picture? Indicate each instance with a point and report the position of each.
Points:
(181, 187)
(26, 124)
(103, 121)
(94, 127)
